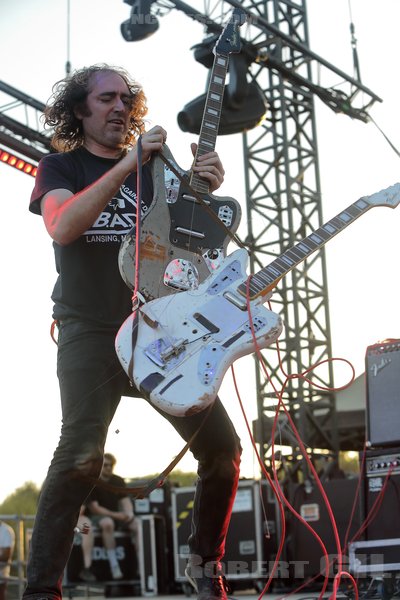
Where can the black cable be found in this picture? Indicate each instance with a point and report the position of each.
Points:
(385, 136)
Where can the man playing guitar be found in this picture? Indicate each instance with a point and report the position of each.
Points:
(86, 194)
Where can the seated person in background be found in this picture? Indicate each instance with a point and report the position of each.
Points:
(111, 511)
(85, 529)
(7, 541)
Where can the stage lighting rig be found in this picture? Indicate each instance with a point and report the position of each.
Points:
(142, 23)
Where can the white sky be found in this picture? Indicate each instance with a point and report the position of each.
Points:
(355, 160)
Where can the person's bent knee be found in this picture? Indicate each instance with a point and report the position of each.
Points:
(107, 524)
(225, 466)
(89, 465)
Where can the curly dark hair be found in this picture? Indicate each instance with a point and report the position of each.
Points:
(70, 94)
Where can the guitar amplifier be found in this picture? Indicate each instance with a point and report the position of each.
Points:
(383, 394)
(380, 465)
(379, 552)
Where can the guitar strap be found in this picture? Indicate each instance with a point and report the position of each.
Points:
(204, 205)
(135, 297)
(140, 492)
(158, 481)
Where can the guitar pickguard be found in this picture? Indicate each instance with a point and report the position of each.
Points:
(180, 243)
(193, 227)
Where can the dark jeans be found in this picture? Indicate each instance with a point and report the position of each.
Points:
(91, 384)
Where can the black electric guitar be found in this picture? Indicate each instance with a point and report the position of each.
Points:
(182, 241)
(186, 343)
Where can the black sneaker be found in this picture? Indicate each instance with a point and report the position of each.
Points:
(211, 586)
(87, 575)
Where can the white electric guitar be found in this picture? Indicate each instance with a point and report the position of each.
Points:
(184, 344)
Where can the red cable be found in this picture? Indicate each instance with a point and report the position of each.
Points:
(302, 448)
(375, 507)
(138, 217)
(262, 466)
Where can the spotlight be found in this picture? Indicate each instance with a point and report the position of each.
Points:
(244, 104)
(233, 120)
(142, 24)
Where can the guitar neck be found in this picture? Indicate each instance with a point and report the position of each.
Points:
(211, 117)
(265, 280)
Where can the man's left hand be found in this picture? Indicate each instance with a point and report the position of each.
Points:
(209, 166)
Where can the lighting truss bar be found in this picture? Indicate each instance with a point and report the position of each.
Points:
(18, 95)
(16, 132)
(25, 132)
(21, 147)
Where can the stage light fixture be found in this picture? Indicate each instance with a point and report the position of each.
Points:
(18, 163)
(233, 120)
(244, 104)
(141, 24)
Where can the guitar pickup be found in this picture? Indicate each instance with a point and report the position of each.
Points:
(236, 300)
(193, 199)
(212, 328)
(190, 232)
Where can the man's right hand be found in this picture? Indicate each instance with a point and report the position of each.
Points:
(152, 141)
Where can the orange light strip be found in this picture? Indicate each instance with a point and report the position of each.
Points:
(18, 163)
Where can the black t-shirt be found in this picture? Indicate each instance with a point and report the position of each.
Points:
(107, 498)
(89, 284)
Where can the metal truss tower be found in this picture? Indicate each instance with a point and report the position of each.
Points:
(283, 200)
(284, 205)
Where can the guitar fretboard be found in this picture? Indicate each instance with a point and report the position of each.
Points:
(211, 117)
(266, 279)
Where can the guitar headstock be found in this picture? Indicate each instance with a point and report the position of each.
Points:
(388, 197)
(229, 40)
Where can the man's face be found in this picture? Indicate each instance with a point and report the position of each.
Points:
(106, 119)
(107, 469)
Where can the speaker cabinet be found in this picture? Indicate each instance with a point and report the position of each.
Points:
(386, 523)
(383, 394)
(302, 548)
(379, 551)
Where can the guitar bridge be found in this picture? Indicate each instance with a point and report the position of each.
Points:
(165, 354)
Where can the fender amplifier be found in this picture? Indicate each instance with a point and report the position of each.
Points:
(383, 394)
